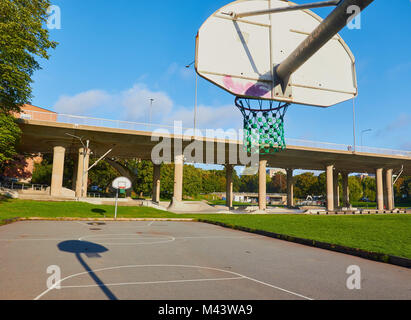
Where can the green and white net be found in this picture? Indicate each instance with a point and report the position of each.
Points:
(263, 125)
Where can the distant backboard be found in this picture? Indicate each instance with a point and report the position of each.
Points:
(241, 55)
(122, 183)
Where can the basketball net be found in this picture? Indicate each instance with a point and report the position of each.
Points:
(263, 125)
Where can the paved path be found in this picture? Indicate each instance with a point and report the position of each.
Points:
(179, 260)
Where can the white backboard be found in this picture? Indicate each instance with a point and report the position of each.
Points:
(240, 56)
(122, 183)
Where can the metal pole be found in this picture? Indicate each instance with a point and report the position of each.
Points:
(333, 24)
(355, 137)
(196, 96)
(85, 153)
(115, 212)
(395, 181)
(195, 106)
(97, 162)
(151, 110)
(321, 4)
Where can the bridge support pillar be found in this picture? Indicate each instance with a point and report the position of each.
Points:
(336, 189)
(346, 190)
(82, 174)
(290, 188)
(262, 194)
(56, 187)
(74, 179)
(156, 183)
(385, 185)
(178, 177)
(389, 189)
(229, 185)
(380, 189)
(330, 188)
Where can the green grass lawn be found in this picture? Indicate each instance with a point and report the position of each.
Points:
(387, 234)
(373, 205)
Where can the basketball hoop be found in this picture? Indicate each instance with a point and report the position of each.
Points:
(263, 125)
(120, 185)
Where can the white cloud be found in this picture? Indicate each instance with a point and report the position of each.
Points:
(224, 117)
(179, 70)
(133, 104)
(136, 103)
(82, 102)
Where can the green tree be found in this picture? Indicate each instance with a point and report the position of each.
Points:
(9, 137)
(23, 38)
(356, 188)
(236, 181)
(369, 188)
(192, 185)
(305, 184)
(249, 183)
(278, 184)
(42, 172)
(321, 185)
(102, 175)
(213, 181)
(167, 181)
(143, 170)
(403, 188)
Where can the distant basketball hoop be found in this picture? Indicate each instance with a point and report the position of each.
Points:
(120, 185)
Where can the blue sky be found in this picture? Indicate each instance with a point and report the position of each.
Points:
(115, 55)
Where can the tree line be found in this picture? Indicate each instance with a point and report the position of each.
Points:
(198, 181)
(24, 40)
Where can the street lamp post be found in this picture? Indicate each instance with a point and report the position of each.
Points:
(151, 111)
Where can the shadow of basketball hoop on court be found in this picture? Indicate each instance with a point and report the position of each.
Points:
(101, 212)
(91, 251)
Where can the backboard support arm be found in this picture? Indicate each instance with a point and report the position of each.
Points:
(334, 23)
(320, 4)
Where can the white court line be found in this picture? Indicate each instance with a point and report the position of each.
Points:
(106, 237)
(100, 237)
(61, 239)
(149, 225)
(149, 282)
(217, 237)
(82, 223)
(237, 275)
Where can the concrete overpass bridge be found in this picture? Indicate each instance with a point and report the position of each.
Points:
(52, 133)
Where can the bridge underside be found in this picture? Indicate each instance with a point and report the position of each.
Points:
(49, 137)
(40, 137)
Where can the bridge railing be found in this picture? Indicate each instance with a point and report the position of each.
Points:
(233, 135)
(343, 147)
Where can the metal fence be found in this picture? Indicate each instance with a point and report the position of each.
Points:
(235, 135)
(24, 187)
